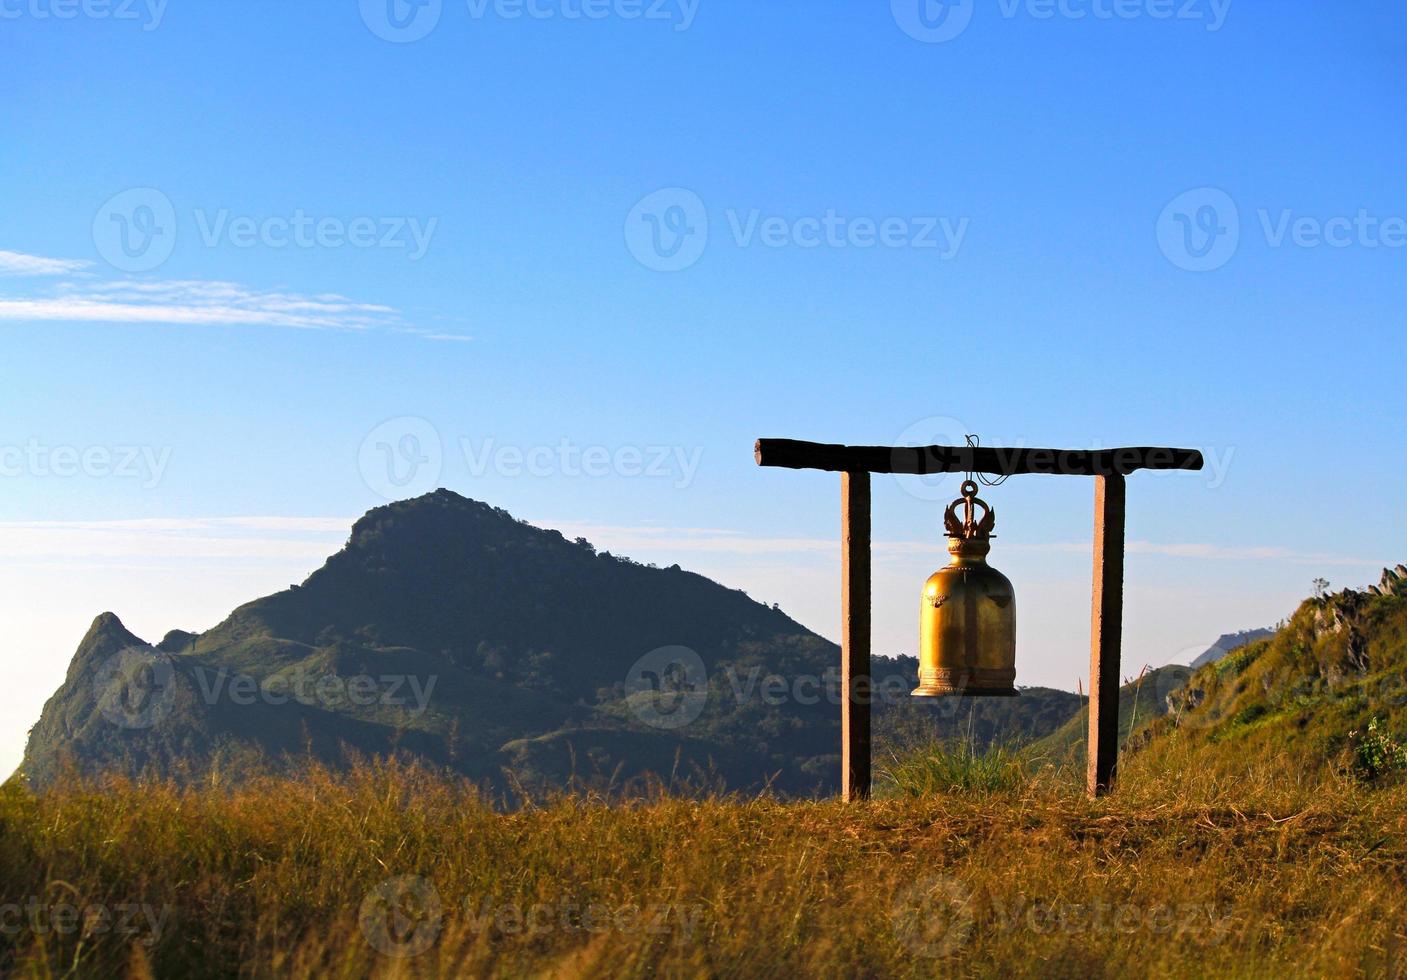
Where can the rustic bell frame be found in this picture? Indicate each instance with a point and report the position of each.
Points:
(1108, 467)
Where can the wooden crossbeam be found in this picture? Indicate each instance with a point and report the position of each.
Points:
(924, 460)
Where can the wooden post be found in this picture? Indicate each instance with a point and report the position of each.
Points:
(1106, 632)
(855, 688)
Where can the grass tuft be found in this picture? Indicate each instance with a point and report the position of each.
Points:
(954, 767)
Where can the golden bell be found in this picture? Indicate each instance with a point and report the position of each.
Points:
(967, 621)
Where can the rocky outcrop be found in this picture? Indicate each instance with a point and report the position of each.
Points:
(1394, 582)
(1341, 615)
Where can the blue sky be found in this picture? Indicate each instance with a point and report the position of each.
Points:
(1093, 222)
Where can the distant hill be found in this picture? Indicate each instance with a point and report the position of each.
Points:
(1140, 702)
(449, 630)
(1229, 642)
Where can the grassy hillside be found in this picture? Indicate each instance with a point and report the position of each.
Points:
(390, 872)
(1327, 690)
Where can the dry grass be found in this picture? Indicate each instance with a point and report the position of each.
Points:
(1190, 870)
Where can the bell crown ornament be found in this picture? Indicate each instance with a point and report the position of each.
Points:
(967, 616)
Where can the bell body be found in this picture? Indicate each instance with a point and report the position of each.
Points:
(967, 627)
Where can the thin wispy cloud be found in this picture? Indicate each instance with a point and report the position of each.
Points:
(185, 302)
(454, 338)
(20, 264)
(1214, 552)
(197, 303)
(305, 540)
(654, 539)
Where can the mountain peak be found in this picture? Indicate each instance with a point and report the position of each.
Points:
(441, 508)
(104, 638)
(107, 630)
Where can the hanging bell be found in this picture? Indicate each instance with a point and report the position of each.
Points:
(967, 622)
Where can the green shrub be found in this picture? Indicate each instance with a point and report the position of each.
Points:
(1250, 713)
(1376, 753)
